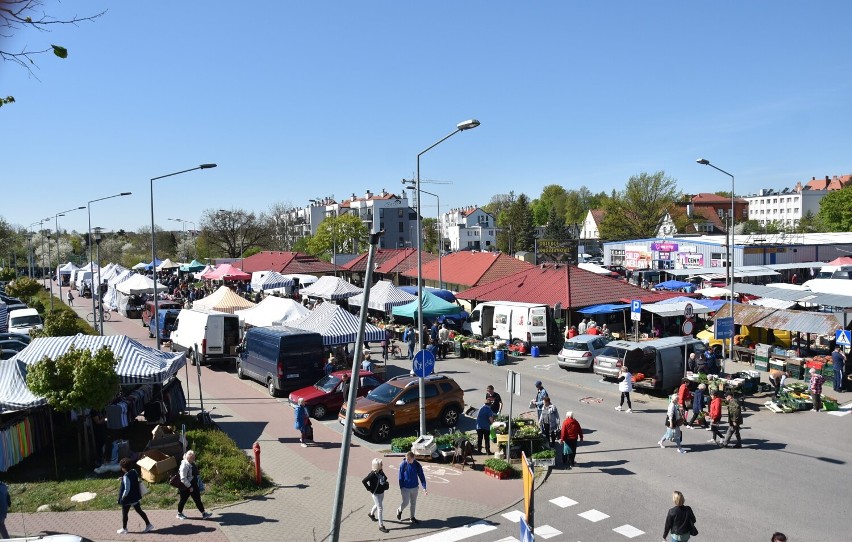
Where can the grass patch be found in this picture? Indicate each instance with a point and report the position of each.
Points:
(227, 472)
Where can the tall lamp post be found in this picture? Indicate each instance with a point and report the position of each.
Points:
(48, 268)
(460, 127)
(154, 240)
(410, 185)
(100, 307)
(89, 211)
(58, 254)
(730, 250)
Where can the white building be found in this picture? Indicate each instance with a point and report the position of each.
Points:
(785, 208)
(592, 225)
(468, 228)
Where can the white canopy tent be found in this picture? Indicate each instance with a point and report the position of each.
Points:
(272, 310)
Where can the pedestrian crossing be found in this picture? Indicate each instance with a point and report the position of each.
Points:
(542, 532)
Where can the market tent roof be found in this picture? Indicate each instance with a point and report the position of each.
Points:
(666, 310)
(67, 268)
(226, 271)
(167, 264)
(712, 273)
(192, 267)
(714, 291)
(673, 285)
(384, 296)
(799, 294)
(139, 266)
(155, 263)
(14, 393)
(207, 269)
(138, 364)
(446, 295)
(329, 287)
(271, 280)
(595, 268)
(336, 325)
(606, 308)
(223, 300)
(91, 266)
(273, 309)
(433, 306)
(821, 323)
(842, 260)
(138, 284)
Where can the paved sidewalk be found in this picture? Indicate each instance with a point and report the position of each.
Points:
(300, 506)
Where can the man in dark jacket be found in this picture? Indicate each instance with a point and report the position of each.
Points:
(837, 360)
(735, 420)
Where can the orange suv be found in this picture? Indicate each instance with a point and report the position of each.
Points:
(396, 403)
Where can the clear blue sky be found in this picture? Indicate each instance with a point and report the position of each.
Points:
(298, 100)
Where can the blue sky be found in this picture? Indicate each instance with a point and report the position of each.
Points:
(298, 100)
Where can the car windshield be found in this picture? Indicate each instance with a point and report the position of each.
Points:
(22, 321)
(328, 383)
(383, 394)
(612, 352)
(576, 345)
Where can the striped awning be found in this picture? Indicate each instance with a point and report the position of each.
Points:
(272, 281)
(4, 318)
(138, 364)
(14, 393)
(336, 325)
(223, 300)
(111, 298)
(329, 287)
(384, 296)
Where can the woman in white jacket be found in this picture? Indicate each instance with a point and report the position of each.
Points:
(189, 478)
(549, 421)
(625, 386)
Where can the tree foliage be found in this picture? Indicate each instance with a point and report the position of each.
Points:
(835, 210)
(636, 212)
(555, 228)
(75, 380)
(233, 232)
(24, 288)
(58, 323)
(345, 233)
(517, 226)
(430, 234)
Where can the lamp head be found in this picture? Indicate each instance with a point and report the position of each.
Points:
(468, 124)
(703, 161)
(81, 207)
(206, 166)
(125, 193)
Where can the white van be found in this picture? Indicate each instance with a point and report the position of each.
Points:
(206, 335)
(509, 320)
(21, 321)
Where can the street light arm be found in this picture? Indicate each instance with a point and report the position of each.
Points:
(202, 166)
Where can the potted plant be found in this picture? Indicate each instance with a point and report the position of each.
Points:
(498, 468)
(544, 458)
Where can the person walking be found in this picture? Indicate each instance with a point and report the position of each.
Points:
(377, 483)
(716, 418)
(367, 363)
(697, 405)
(815, 387)
(5, 503)
(568, 435)
(410, 339)
(777, 378)
(303, 422)
(484, 419)
(538, 402)
(837, 360)
(549, 421)
(70, 298)
(188, 472)
(735, 420)
(328, 368)
(674, 419)
(493, 399)
(387, 344)
(410, 473)
(778, 537)
(625, 386)
(129, 496)
(680, 520)
(444, 340)
(684, 396)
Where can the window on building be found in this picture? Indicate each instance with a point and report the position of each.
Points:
(401, 227)
(720, 212)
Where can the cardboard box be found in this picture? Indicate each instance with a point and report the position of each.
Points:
(161, 431)
(167, 444)
(156, 466)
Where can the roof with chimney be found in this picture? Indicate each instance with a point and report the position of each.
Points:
(286, 262)
(369, 196)
(471, 268)
(837, 182)
(388, 261)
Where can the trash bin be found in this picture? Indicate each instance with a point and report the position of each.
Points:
(534, 351)
(499, 357)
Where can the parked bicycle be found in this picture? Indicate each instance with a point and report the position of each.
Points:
(91, 317)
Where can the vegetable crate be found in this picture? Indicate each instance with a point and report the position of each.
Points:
(761, 365)
(796, 371)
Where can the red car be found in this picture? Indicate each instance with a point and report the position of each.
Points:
(327, 396)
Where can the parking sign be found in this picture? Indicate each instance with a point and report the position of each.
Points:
(636, 310)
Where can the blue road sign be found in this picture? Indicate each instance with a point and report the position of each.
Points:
(527, 534)
(724, 328)
(636, 310)
(424, 363)
(843, 338)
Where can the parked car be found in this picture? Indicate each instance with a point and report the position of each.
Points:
(15, 337)
(21, 321)
(579, 352)
(12, 344)
(7, 354)
(327, 395)
(396, 403)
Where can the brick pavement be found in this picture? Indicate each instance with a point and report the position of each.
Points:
(300, 506)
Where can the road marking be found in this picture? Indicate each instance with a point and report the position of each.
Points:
(546, 531)
(514, 516)
(843, 410)
(629, 531)
(508, 539)
(545, 367)
(563, 502)
(593, 515)
(459, 533)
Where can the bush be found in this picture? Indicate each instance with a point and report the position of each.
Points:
(403, 444)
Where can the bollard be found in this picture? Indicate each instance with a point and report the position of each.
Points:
(256, 449)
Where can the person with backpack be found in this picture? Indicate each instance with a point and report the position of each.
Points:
(674, 419)
(377, 483)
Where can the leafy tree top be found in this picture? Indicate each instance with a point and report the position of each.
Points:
(77, 379)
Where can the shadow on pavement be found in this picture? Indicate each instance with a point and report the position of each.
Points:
(185, 529)
(245, 434)
(241, 519)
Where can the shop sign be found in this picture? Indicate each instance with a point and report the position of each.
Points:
(664, 247)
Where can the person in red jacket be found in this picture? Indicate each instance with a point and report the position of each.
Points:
(571, 431)
(684, 396)
(716, 417)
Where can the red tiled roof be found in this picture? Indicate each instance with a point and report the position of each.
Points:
(705, 198)
(388, 261)
(598, 215)
(699, 214)
(468, 212)
(833, 183)
(471, 268)
(286, 262)
(548, 284)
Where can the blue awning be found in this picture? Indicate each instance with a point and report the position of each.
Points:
(606, 308)
(672, 285)
(446, 295)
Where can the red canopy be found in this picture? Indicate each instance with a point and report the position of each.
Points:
(226, 272)
(842, 260)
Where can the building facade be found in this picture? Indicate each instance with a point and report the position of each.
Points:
(468, 228)
(784, 208)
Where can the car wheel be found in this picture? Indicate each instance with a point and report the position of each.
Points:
(240, 374)
(191, 356)
(270, 387)
(381, 431)
(319, 412)
(450, 416)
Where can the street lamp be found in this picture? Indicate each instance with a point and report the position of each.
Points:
(730, 250)
(89, 207)
(440, 231)
(100, 309)
(154, 241)
(48, 268)
(183, 225)
(460, 127)
(58, 255)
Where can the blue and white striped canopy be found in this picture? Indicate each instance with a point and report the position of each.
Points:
(4, 318)
(14, 394)
(336, 325)
(138, 364)
(384, 296)
(271, 281)
(329, 287)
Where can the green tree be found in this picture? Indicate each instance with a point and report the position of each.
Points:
(835, 210)
(552, 196)
(636, 212)
(517, 226)
(59, 323)
(809, 223)
(430, 234)
(345, 233)
(24, 288)
(302, 244)
(555, 228)
(76, 379)
(235, 231)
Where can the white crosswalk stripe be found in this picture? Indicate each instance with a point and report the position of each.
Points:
(459, 533)
(593, 515)
(546, 531)
(514, 516)
(563, 502)
(629, 531)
